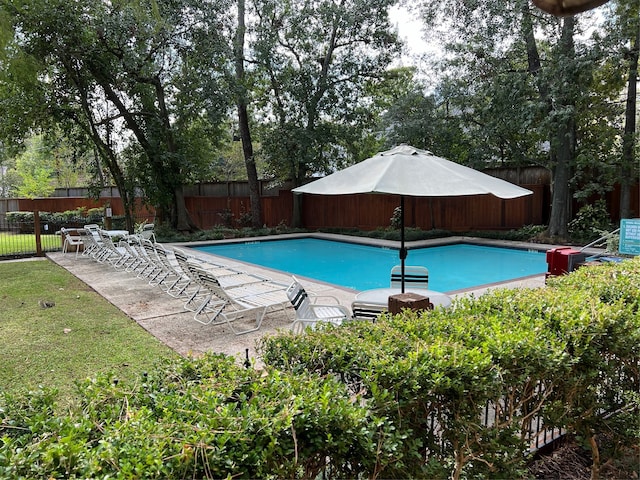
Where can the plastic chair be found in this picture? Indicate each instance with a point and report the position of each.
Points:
(72, 238)
(147, 232)
(414, 277)
(309, 313)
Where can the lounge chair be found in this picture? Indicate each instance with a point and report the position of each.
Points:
(226, 305)
(228, 278)
(147, 232)
(414, 277)
(189, 269)
(115, 255)
(93, 229)
(161, 274)
(90, 245)
(177, 284)
(138, 259)
(309, 313)
(145, 263)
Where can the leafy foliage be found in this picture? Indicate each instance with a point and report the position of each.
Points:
(400, 398)
(200, 419)
(590, 222)
(69, 218)
(142, 82)
(318, 67)
(526, 353)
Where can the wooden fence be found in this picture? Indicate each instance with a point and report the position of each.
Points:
(228, 203)
(477, 212)
(365, 212)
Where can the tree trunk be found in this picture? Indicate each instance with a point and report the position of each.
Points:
(628, 172)
(243, 122)
(562, 141)
(595, 457)
(564, 136)
(183, 220)
(561, 194)
(102, 146)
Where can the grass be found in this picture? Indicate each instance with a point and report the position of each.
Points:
(23, 243)
(80, 336)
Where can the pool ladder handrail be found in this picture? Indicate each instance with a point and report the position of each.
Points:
(604, 237)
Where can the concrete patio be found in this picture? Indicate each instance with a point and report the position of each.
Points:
(165, 317)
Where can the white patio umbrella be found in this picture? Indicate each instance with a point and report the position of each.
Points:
(409, 171)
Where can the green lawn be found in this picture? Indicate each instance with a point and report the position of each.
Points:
(20, 243)
(81, 335)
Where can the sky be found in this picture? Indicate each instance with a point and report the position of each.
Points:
(409, 29)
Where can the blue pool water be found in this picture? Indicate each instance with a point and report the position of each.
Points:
(363, 267)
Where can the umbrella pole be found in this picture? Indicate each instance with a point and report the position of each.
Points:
(403, 251)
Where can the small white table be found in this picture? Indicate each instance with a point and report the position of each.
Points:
(368, 304)
(116, 233)
(380, 296)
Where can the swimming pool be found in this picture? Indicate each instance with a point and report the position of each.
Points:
(363, 267)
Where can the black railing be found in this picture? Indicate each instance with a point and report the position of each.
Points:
(34, 235)
(27, 238)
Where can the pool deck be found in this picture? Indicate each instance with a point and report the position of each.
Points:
(165, 317)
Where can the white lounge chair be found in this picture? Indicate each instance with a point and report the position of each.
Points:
(177, 284)
(138, 260)
(161, 275)
(189, 269)
(90, 245)
(147, 232)
(146, 264)
(309, 313)
(228, 278)
(115, 255)
(223, 305)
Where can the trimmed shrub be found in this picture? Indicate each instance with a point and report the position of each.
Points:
(453, 393)
(205, 418)
(567, 354)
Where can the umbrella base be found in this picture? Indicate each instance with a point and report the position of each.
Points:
(408, 301)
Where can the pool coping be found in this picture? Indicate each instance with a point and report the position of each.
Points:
(380, 242)
(526, 281)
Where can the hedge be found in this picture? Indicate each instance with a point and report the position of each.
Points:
(567, 353)
(406, 397)
(206, 418)
(70, 218)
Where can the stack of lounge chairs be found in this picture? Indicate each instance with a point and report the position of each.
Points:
(216, 294)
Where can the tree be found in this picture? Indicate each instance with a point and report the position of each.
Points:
(35, 168)
(316, 61)
(133, 76)
(8, 178)
(45, 85)
(423, 120)
(562, 128)
(627, 15)
(522, 80)
(243, 118)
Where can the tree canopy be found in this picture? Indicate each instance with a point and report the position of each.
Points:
(524, 87)
(159, 89)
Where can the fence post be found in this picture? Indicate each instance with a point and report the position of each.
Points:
(36, 229)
